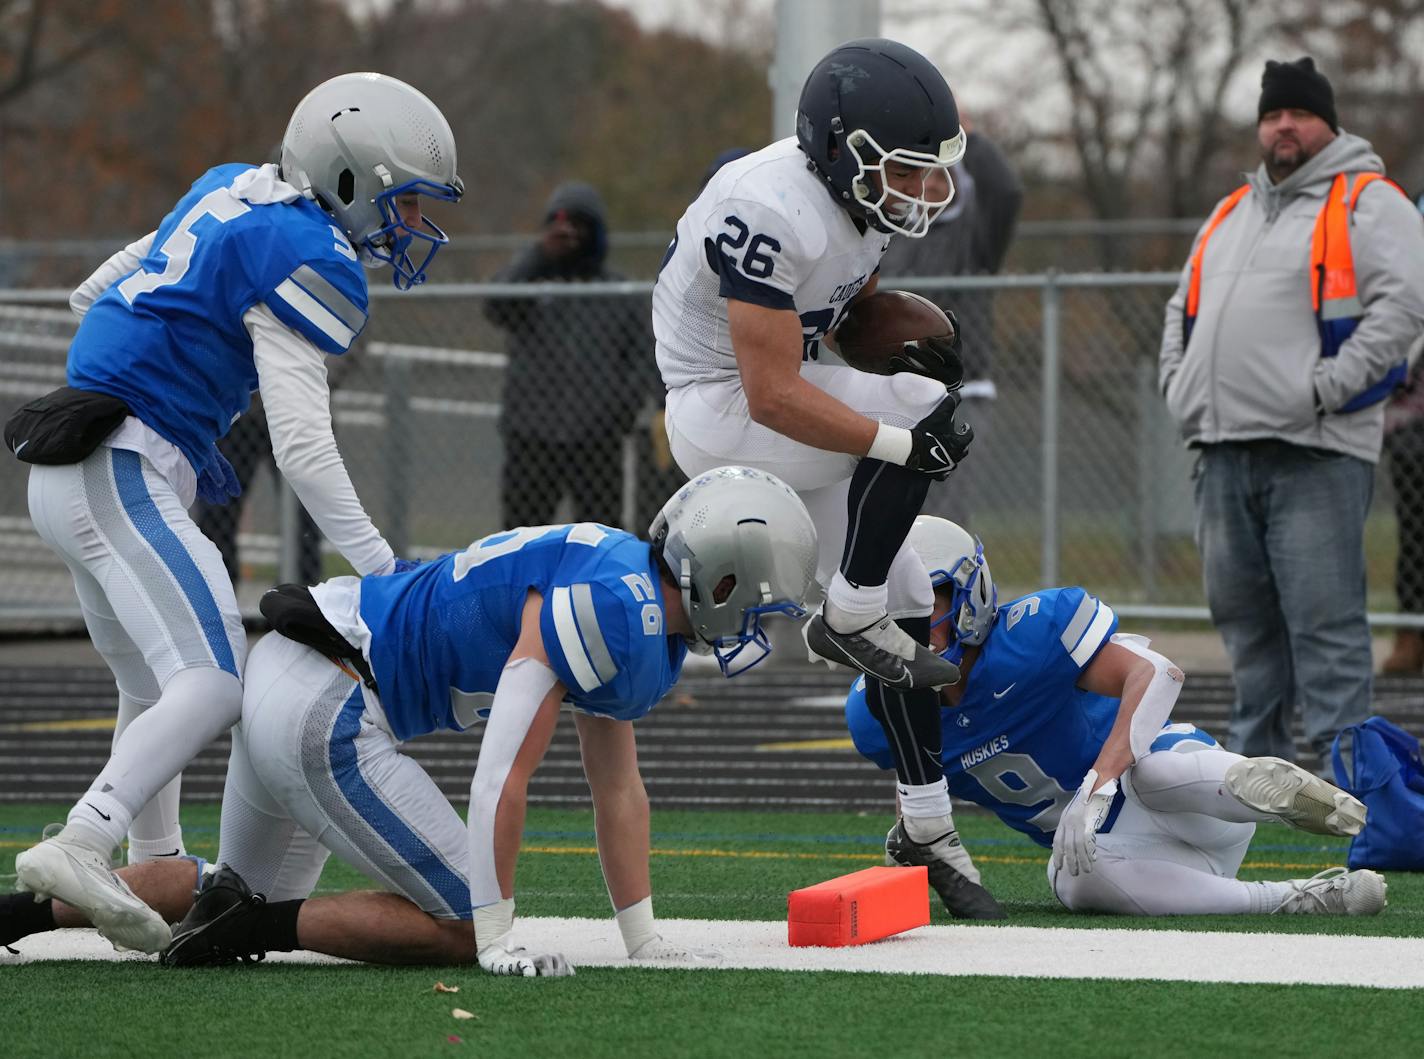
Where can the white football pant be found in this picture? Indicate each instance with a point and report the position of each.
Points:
(1175, 847)
(314, 770)
(709, 425)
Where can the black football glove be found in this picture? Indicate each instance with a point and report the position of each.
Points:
(939, 443)
(938, 358)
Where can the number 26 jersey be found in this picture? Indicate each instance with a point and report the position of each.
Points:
(765, 230)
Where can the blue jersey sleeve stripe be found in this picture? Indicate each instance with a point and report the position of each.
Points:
(586, 615)
(566, 628)
(315, 313)
(340, 306)
(1094, 637)
(1080, 621)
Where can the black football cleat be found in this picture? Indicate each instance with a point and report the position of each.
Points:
(218, 929)
(881, 650)
(963, 897)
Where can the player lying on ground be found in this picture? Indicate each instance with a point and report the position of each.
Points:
(514, 627)
(1061, 727)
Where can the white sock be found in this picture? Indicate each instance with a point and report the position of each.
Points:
(99, 820)
(196, 707)
(142, 850)
(1266, 897)
(155, 830)
(850, 608)
(924, 808)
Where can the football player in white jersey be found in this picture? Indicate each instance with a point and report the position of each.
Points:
(1062, 728)
(764, 264)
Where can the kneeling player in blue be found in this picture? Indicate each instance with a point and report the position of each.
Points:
(1061, 728)
(257, 274)
(512, 628)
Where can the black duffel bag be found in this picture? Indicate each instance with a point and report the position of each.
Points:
(64, 426)
(291, 611)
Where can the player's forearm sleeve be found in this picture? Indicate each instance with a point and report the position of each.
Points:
(1155, 706)
(291, 374)
(521, 690)
(121, 264)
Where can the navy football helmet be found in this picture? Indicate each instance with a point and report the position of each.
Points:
(872, 102)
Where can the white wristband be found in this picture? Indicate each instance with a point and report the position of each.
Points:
(891, 445)
(493, 923)
(635, 923)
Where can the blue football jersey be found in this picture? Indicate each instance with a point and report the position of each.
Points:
(169, 339)
(1024, 735)
(441, 633)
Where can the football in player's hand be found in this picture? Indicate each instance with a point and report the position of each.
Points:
(876, 330)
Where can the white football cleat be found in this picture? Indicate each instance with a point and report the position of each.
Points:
(69, 871)
(1336, 892)
(1296, 797)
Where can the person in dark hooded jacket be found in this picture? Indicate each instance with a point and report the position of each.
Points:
(580, 369)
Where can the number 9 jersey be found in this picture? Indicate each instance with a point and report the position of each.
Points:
(438, 637)
(764, 230)
(1024, 734)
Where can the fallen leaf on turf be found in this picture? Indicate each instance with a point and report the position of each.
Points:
(441, 987)
(461, 1013)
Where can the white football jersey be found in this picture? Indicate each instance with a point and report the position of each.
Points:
(764, 230)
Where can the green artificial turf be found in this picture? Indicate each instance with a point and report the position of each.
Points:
(717, 865)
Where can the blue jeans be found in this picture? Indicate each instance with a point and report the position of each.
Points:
(1280, 529)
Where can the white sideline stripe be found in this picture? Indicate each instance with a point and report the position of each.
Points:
(314, 311)
(1019, 952)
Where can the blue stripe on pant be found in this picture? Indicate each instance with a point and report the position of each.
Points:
(368, 804)
(150, 524)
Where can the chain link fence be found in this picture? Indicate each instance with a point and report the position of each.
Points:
(466, 408)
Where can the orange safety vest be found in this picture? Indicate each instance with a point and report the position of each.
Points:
(1333, 293)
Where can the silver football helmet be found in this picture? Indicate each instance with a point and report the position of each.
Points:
(741, 545)
(954, 557)
(358, 141)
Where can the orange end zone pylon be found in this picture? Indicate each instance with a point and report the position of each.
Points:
(859, 907)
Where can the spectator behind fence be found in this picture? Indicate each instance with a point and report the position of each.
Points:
(580, 368)
(971, 237)
(1404, 441)
(1279, 381)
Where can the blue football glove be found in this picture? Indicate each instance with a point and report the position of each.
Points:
(405, 565)
(217, 482)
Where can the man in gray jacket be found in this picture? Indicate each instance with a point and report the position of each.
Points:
(1291, 324)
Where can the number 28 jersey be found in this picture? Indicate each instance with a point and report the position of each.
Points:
(440, 635)
(764, 230)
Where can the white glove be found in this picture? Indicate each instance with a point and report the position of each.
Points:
(1075, 844)
(501, 956)
(498, 958)
(659, 948)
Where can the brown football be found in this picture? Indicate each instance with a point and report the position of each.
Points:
(878, 326)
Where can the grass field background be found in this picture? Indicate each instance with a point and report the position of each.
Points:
(715, 866)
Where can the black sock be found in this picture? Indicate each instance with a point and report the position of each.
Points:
(883, 503)
(911, 719)
(276, 927)
(21, 915)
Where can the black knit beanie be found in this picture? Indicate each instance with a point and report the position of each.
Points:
(1298, 86)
